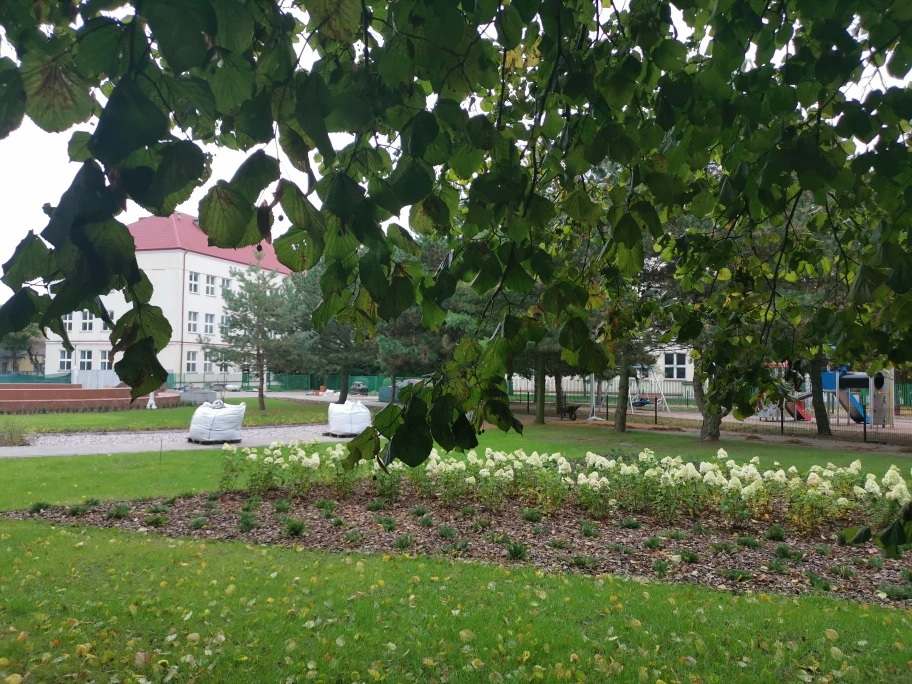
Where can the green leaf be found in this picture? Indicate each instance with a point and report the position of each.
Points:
(579, 207)
(412, 181)
(540, 211)
(181, 169)
(649, 216)
(627, 231)
(373, 277)
(78, 147)
(298, 249)
(295, 147)
(892, 538)
(17, 312)
(141, 369)
(313, 104)
(338, 19)
(224, 214)
(399, 237)
(143, 321)
(574, 333)
(441, 417)
(235, 25)
(110, 242)
(57, 96)
(232, 81)
(422, 131)
(12, 97)
(463, 433)
(345, 195)
(178, 26)
(129, 121)
(670, 55)
(31, 260)
(364, 447)
(399, 297)
(466, 160)
(489, 276)
(509, 27)
(865, 284)
(102, 48)
(255, 118)
(412, 442)
(388, 420)
(257, 171)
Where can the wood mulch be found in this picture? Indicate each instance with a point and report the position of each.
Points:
(556, 543)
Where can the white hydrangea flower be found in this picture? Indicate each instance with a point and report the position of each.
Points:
(721, 454)
(484, 472)
(470, 480)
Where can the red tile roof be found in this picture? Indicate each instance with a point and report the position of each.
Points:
(180, 231)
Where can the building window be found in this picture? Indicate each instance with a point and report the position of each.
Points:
(226, 285)
(192, 320)
(675, 365)
(66, 359)
(68, 322)
(223, 325)
(88, 320)
(104, 323)
(85, 359)
(191, 362)
(209, 324)
(207, 362)
(105, 358)
(194, 285)
(223, 367)
(210, 286)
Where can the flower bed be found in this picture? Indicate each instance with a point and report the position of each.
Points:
(720, 523)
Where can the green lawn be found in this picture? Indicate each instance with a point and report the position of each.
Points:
(278, 412)
(103, 605)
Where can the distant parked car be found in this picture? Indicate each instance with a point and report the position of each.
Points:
(233, 388)
(358, 387)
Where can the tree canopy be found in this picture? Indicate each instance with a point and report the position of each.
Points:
(484, 121)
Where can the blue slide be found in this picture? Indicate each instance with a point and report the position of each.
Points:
(853, 407)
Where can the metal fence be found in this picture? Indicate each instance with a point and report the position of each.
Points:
(35, 378)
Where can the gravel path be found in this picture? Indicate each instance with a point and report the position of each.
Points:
(252, 436)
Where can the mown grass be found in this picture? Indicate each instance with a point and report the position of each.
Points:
(108, 606)
(278, 412)
(574, 440)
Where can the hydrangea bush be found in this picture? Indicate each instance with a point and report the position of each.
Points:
(667, 487)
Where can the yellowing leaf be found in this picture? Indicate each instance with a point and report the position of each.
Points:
(467, 635)
(831, 634)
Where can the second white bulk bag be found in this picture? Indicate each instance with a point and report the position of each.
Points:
(349, 418)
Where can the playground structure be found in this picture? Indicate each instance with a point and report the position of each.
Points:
(638, 398)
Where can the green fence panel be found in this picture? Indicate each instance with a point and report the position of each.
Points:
(30, 378)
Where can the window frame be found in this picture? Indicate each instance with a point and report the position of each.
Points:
(210, 286)
(193, 282)
(208, 324)
(88, 321)
(104, 360)
(65, 357)
(675, 365)
(191, 360)
(85, 359)
(192, 321)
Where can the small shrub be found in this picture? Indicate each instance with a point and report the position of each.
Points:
(282, 506)
(675, 534)
(39, 506)
(538, 529)
(844, 571)
(386, 522)
(785, 552)
(823, 550)
(660, 567)
(91, 503)
(170, 501)
(294, 528)
(247, 522)
(459, 546)
(516, 551)
(587, 529)
(186, 495)
(500, 538)
(119, 512)
(209, 505)
(689, 556)
(252, 504)
(376, 505)
(157, 508)
(337, 521)
(404, 541)
(531, 515)
(584, 562)
(327, 506)
(480, 525)
(620, 548)
(13, 433)
(901, 592)
(557, 544)
(736, 575)
(723, 547)
(876, 562)
(467, 510)
(699, 529)
(818, 582)
(749, 542)
(352, 536)
(446, 532)
(157, 520)
(77, 510)
(213, 496)
(418, 511)
(907, 574)
(775, 533)
(653, 543)
(777, 566)
(630, 524)
(198, 523)
(426, 521)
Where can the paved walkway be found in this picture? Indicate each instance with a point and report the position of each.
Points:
(98, 443)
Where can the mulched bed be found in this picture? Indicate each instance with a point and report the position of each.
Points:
(554, 543)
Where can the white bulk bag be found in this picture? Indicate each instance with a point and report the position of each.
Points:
(217, 422)
(349, 418)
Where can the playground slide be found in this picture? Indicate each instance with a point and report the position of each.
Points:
(796, 411)
(853, 408)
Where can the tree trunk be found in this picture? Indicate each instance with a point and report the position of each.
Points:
(620, 412)
(559, 392)
(261, 368)
(712, 420)
(820, 412)
(343, 386)
(393, 390)
(540, 390)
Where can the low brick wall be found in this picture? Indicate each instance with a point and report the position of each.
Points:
(103, 400)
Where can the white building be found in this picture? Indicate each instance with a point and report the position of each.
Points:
(188, 278)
